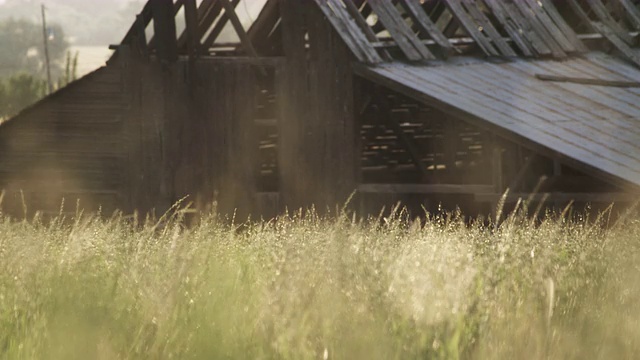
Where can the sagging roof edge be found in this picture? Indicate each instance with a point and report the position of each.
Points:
(366, 72)
(50, 97)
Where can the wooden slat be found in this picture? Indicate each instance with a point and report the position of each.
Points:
(413, 8)
(472, 29)
(354, 12)
(539, 28)
(343, 29)
(478, 16)
(262, 27)
(191, 20)
(353, 32)
(550, 26)
(524, 25)
(605, 18)
(631, 54)
(220, 25)
(565, 29)
(581, 14)
(589, 81)
(237, 25)
(203, 22)
(510, 26)
(632, 12)
(408, 42)
(425, 188)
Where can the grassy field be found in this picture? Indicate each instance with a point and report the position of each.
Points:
(319, 289)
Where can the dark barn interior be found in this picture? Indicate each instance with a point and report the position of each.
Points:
(434, 103)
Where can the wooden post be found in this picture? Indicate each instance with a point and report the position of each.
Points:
(164, 28)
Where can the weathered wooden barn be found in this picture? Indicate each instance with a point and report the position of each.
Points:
(430, 101)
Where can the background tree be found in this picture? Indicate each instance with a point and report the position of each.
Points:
(21, 48)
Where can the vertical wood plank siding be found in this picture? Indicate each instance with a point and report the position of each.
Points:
(317, 147)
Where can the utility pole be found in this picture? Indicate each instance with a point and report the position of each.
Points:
(46, 49)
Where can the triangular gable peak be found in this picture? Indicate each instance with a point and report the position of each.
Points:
(379, 31)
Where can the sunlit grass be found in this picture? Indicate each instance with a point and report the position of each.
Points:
(310, 287)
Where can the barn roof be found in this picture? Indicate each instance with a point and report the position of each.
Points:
(586, 110)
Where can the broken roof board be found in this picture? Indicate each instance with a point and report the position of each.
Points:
(596, 126)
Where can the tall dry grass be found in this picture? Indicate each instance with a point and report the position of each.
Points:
(319, 288)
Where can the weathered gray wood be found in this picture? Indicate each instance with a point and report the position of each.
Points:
(355, 32)
(605, 19)
(565, 29)
(582, 15)
(589, 81)
(354, 12)
(413, 8)
(621, 45)
(349, 31)
(525, 27)
(510, 26)
(632, 12)
(409, 43)
(538, 27)
(548, 24)
(520, 135)
(483, 22)
(471, 27)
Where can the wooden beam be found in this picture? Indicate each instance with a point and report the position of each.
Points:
(219, 26)
(410, 44)
(348, 30)
(588, 81)
(191, 20)
(560, 197)
(483, 22)
(563, 26)
(417, 13)
(605, 18)
(458, 11)
(230, 11)
(424, 188)
(263, 26)
(631, 53)
(206, 14)
(164, 28)
(632, 12)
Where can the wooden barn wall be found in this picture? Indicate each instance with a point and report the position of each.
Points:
(69, 146)
(318, 146)
(192, 135)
